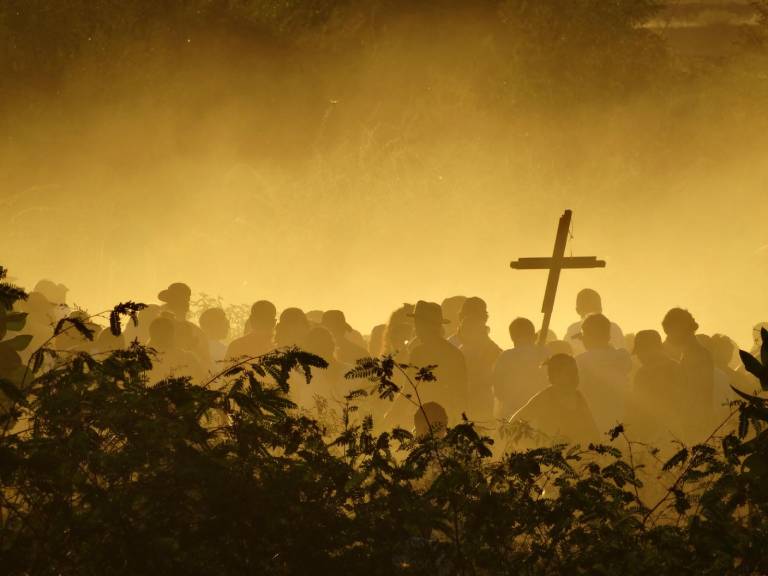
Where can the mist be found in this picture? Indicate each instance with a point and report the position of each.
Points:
(369, 162)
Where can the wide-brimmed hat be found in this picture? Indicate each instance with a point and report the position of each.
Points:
(176, 292)
(428, 312)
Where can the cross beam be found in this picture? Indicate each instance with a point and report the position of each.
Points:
(555, 264)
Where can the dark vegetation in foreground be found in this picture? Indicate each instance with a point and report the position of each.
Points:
(103, 472)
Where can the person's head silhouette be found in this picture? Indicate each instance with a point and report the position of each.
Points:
(428, 320)
(474, 307)
(648, 346)
(162, 334)
(292, 328)
(522, 332)
(596, 331)
(336, 323)
(430, 416)
(376, 339)
(559, 347)
(176, 298)
(73, 339)
(588, 301)
(399, 330)
(722, 349)
(263, 317)
(451, 308)
(315, 317)
(214, 323)
(562, 371)
(679, 326)
(54, 293)
(320, 341)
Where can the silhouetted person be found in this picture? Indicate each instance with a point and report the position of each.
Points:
(140, 332)
(559, 412)
(171, 360)
(722, 349)
(652, 413)
(589, 302)
(56, 294)
(518, 374)
(450, 390)
(215, 324)
(604, 372)
(41, 319)
(106, 343)
(697, 389)
(399, 333)
(292, 328)
(315, 317)
(376, 340)
(480, 354)
(430, 417)
(72, 340)
(188, 335)
(551, 336)
(474, 308)
(558, 347)
(329, 382)
(451, 308)
(260, 338)
(346, 350)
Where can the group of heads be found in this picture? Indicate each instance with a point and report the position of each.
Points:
(458, 313)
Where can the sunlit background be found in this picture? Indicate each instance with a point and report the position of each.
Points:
(360, 166)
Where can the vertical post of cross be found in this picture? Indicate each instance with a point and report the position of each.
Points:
(558, 253)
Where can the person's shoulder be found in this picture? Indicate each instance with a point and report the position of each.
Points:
(622, 353)
(445, 346)
(236, 346)
(494, 347)
(507, 355)
(573, 329)
(697, 352)
(585, 356)
(533, 404)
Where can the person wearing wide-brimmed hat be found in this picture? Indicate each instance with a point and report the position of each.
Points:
(189, 336)
(450, 389)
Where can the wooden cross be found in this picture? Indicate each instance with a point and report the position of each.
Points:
(555, 264)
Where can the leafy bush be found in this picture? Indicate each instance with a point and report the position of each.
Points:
(103, 472)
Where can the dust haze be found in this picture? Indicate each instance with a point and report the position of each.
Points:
(389, 155)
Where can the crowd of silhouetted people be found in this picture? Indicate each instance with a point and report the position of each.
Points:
(671, 385)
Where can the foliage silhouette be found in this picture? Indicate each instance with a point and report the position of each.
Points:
(102, 471)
